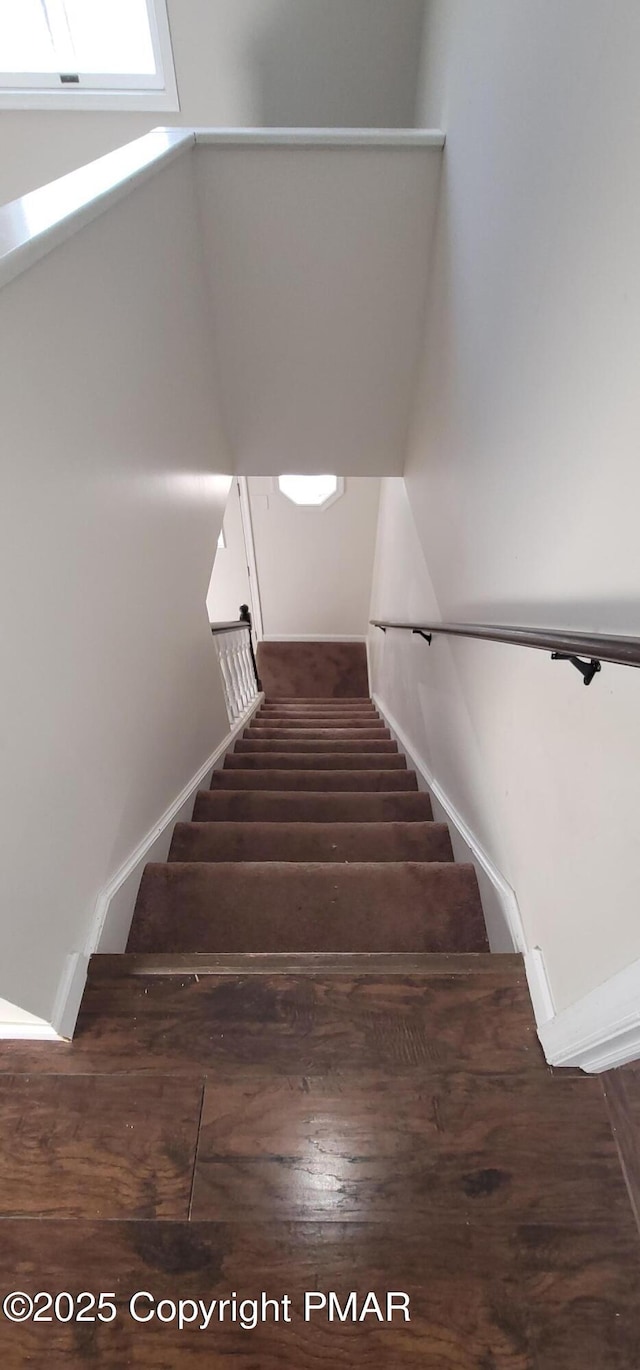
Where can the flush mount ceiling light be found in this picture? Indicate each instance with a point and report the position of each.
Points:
(312, 492)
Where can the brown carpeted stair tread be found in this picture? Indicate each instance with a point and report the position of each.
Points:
(317, 721)
(222, 841)
(303, 714)
(287, 906)
(315, 710)
(298, 725)
(310, 670)
(308, 716)
(314, 761)
(259, 733)
(273, 779)
(318, 699)
(311, 718)
(319, 706)
(298, 806)
(255, 746)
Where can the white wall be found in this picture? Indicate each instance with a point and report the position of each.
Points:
(317, 269)
(314, 565)
(522, 474)
(245, 62)
(108, 524)
(229, 585)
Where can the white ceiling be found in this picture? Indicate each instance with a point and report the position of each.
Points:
(317, 260)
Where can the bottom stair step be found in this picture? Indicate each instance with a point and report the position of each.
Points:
(274, 906)
(311, 842)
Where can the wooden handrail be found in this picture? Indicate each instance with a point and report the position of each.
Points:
(564, 644)
(229, 627)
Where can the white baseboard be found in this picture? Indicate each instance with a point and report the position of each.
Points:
(15, 1031)
(500, 905)
(115, 903)
(600, 1031)
(17, 1024)
(69, 996)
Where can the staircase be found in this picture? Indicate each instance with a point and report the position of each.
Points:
(313, 839)
(306, 1076)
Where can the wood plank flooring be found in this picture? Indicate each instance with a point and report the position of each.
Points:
(207, 1134)
(97, 1146)
(532, 1298)
(407, 1150)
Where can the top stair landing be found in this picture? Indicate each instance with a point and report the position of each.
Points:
(293, 672)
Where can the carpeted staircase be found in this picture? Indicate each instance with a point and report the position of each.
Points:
(313, 838)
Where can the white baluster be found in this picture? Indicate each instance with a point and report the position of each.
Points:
(251, 667)
(237, 655)
(220, 640)
(243, 655)
(235, 671)
(233, 650)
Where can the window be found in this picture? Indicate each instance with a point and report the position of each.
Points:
(86, 54)
(315, 492)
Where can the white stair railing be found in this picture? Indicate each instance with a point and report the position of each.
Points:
(234, 649)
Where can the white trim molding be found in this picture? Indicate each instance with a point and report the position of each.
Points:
(28, 1032)
(33, 225)
(38, 222)
(502, 914)
(321, 137)
(601, 1030)
(17, 1025)
(115, 904)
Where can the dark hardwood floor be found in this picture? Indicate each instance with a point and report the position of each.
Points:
(208, 1135)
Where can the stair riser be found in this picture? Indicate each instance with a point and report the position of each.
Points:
(301, 908)
(311, 842)
(314, 780)
(300, 807)
(386, 747)
(359, 761)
